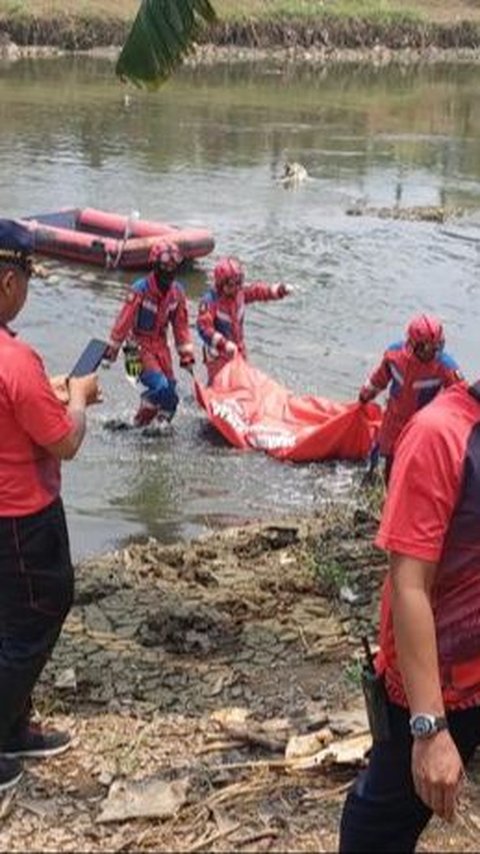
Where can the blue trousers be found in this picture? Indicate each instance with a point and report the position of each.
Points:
(161, 392)
(36, 593)
(382, 813)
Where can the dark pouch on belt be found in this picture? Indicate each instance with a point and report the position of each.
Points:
(373, 687)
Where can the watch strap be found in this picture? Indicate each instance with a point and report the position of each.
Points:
(436, 723)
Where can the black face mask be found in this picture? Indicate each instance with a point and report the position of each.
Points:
(164, 279)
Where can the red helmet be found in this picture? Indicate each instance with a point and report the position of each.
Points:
(165, 256)
(425, 329)
(228, 270)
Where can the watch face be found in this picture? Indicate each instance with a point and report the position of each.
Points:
(422, 726)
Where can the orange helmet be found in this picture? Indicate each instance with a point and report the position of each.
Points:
(228, 270)
(425, 330)
(165, 256)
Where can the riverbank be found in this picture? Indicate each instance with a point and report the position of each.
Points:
(327, 29)
(200, 681)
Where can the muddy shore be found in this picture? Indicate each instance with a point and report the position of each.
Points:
(213, 687)
(258, 625)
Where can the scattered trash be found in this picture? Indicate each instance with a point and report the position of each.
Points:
(347, 595)
(349, 751)
(152, 798)
(300, 746)
(66, 679)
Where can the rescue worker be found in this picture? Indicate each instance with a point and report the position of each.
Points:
(415, 369)
(154, 303)
(221, 313)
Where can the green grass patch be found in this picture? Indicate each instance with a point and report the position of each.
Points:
(352, 673)
(330, 576)
(380, 11)
(49, 9)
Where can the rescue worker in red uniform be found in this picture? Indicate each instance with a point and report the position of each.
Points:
(154, 303)
(222, 309)
(415, 369)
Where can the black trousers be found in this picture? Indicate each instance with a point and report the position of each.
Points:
(36, 593)
(382, 812)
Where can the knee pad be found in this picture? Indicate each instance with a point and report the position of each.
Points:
(161, 391)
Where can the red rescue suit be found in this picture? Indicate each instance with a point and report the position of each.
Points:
(413, 383)
(221, 319)
(145, 318)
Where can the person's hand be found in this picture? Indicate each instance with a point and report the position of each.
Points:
(111, 353)
(284, 290)
(438, 774)
(60, 388)
(85, 389)
(365, 395)
(188, 366)
(231, 349)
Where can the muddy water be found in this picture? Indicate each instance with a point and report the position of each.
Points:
(208, 149)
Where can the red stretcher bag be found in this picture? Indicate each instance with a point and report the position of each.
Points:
(252, 411)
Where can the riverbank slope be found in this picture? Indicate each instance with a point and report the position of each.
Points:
(191, 675)
(333, 24)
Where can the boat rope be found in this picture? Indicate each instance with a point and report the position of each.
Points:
(112, 264)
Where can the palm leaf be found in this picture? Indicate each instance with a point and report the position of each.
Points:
(161, 35)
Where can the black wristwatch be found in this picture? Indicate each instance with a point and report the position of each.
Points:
(424, 726)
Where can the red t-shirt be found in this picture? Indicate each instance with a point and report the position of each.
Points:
(432, 512)
(30, 418)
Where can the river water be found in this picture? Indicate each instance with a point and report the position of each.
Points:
(208, 150)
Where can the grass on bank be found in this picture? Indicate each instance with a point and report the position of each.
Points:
(383, 11)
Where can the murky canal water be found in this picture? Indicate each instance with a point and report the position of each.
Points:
(208, 150)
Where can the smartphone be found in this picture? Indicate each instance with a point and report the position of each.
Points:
(90, 358)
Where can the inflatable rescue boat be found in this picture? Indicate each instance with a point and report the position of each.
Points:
(110, 240)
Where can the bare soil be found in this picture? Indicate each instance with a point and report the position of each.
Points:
(166, 642)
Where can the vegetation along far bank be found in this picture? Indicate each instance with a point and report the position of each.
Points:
(261, 24)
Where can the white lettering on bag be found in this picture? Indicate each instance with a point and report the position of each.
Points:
(270, 440)
(230, 411)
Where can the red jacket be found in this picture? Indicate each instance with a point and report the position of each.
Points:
(145, 318)
(221, 319)
(413, 383)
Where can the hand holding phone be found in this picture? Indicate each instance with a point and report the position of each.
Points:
(90, 359)
(84, 391)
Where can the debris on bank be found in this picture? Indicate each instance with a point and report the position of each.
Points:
(415, 213)
(318, 40)
(212, 688)
(213, 692)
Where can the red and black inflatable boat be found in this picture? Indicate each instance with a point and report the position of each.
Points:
(110, 240)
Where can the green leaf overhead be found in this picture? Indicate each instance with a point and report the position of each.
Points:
(162, 34)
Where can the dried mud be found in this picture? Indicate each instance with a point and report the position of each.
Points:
(165, 642)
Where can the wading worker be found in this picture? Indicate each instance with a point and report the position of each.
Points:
(41, 423)
(221, 313)
(155, 303)
(429, 629)
(414, 370)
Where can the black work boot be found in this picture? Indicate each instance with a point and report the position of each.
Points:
(10, 773)
(35, 743)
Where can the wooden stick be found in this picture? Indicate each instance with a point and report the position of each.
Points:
(257, 837)
(257, 739)
(214, 837)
